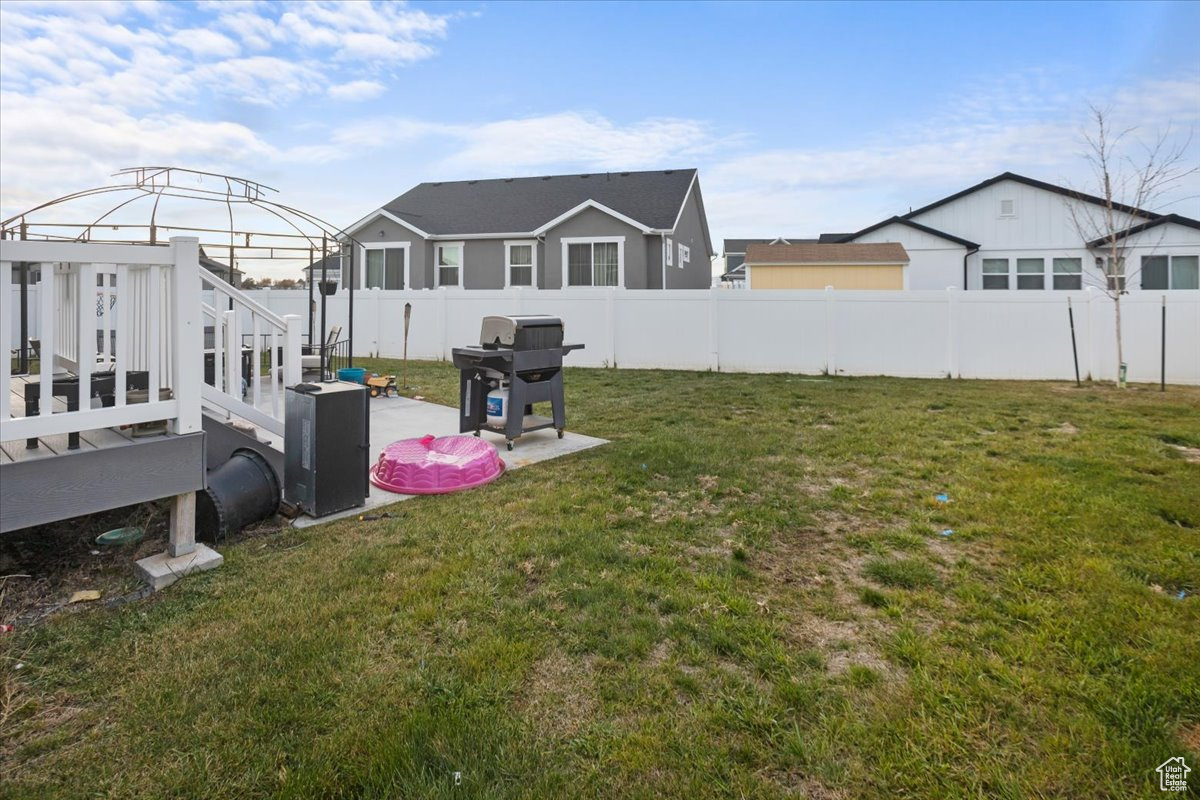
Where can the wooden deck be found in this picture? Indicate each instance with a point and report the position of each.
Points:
(16, 451)
(110, 468)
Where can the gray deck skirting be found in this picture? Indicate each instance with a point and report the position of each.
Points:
(81, 482)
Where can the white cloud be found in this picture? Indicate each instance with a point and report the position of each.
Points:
(203, 42)
(355, 91)
(586, 141)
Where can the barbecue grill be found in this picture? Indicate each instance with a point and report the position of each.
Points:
(523, 354)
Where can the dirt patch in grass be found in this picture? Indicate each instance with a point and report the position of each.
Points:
(1190, 736)
(1190, 454)
(802, 786)
(1066, 428)
(559, 697)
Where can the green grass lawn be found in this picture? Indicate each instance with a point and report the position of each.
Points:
(746, 594)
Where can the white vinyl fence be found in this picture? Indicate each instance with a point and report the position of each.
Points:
(927, 334)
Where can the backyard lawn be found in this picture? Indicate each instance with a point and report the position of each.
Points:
(748, 593)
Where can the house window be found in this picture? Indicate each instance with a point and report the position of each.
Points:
(670, 252)
(1171, 272)
(449, 264)
(595, 262)
(995, 273)
(685, 255)
(385, 268)
(1068, 273)
(1008, 208)
(519, 263)
(1114, 276)
(1031, 273)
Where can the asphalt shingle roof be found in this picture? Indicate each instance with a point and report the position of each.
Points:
(520, 205)
(877, 253)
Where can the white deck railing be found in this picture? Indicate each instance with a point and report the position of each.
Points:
(228, 393)
(108, 308)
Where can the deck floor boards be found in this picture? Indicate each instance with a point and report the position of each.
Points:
(48, 446)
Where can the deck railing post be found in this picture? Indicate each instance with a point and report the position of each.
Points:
(187, 363)
(291, 350)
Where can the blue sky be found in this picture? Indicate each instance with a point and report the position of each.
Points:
(802, 118)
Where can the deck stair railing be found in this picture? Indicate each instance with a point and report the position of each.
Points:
(237, 363)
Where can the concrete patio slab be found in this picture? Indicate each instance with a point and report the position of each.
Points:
(395, 418)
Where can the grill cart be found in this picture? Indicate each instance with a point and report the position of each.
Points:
(518, 362)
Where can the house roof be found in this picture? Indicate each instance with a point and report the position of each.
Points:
(875, 253)
(736, 246)
(333, 262)
(1187, 222)
(849, 237)
(519, 205)
(834, 238)
(1049, 187)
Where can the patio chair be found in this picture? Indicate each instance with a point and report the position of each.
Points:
(310, 359)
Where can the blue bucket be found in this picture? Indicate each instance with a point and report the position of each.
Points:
(352, 374)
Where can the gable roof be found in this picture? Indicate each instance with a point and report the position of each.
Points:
(849, 237)
(1049, 187)
(736, 246)
(875, 253)
(1187, 222)
(653, 200)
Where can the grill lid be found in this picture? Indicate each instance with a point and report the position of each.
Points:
(529, 332)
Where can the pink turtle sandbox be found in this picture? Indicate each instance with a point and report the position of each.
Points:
(431, 465)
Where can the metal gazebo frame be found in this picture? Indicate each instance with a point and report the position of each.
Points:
(303, 234)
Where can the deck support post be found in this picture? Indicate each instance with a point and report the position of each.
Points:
(183, 525)
(182, 556)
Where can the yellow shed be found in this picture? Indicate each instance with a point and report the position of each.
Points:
(815, 266)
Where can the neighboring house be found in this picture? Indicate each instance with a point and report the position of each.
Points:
(734, 253)
(640, 230)
(1016, 233)
(814, 266)
(222, 271)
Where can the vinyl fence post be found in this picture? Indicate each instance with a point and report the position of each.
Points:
(1091, 339)
(445, 322)
(612, 324)
(951, 332)
(714, 340)
(830, 344)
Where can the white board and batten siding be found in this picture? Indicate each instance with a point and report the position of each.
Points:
(1011, 220)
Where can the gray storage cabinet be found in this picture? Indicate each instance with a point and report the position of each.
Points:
(326, 447)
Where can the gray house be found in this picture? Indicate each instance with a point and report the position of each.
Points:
(640, 230)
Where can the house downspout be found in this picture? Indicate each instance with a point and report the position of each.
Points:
(967, 255)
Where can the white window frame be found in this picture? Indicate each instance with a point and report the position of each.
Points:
(1018, 274)
(1008, 274)
(1053, 275)
(437, 258)
(1170, 257)
(361, 267)
(670, 248)
(570, 240)
(508, 265)
(1012, 212)
(685, 256)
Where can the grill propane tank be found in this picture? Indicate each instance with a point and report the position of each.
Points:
(497, 405)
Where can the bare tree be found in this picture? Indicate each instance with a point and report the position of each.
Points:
(1127, 186)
